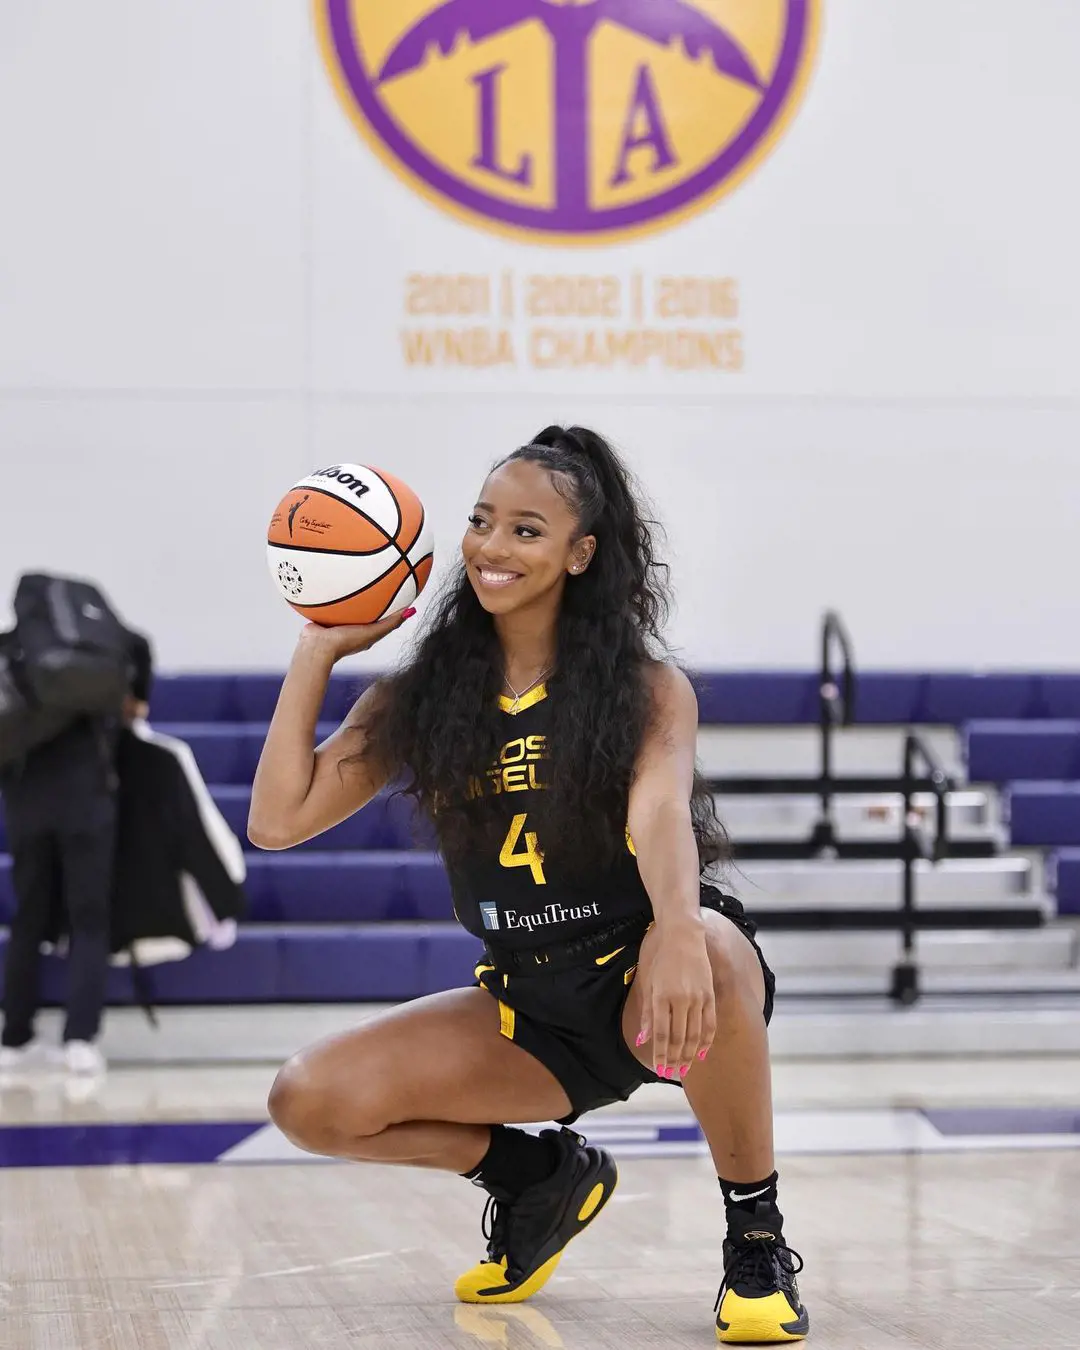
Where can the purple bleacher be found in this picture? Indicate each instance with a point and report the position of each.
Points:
(1043, 814)
(1060, 696)
(241, 698)
(195, 698)
(789, 698)
(256, 696)
(379, 961)
(313, 887)
(354, 963)
(956, 698)
(882, 697)
(449, 958)
(1002, 752)
(249, 972)
(1064, 879)
(756, 696)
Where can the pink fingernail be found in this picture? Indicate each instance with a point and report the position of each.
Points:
(702, 1053)
(684, 1069)
(641, 1038)
(407, 614)
(659, 1071)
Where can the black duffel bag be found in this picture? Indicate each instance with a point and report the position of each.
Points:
(23, 724)
(75, 652)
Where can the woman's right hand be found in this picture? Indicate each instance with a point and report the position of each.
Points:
(349, 638)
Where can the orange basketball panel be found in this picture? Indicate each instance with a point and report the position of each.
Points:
(307, 519)
(364, 607)
(423, 571)
(412, 513)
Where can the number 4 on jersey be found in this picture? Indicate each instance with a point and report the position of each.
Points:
(530, 856)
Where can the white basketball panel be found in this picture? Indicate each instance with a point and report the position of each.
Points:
(307, 578)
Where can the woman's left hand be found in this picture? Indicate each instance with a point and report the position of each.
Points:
(678, 1006)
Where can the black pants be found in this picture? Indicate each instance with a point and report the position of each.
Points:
(59, 871)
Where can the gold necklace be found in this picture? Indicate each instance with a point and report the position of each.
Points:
(528, 689)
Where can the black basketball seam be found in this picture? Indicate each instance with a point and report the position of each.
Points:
(340, 552)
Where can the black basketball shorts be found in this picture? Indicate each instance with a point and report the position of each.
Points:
(570, 1017)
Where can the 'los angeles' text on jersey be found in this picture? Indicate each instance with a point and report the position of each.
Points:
(512, 896)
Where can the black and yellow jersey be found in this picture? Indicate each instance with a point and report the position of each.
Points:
(512, 896)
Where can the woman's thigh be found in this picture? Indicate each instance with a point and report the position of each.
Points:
(440, 1058)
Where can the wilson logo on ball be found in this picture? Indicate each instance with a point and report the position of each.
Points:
(343, 474)
(353, 541)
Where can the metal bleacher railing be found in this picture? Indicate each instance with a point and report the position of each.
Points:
(922, 837)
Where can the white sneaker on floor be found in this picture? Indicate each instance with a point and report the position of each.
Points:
(83, 1057)
(24, 1058)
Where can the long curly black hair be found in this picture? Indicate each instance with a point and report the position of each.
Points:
(437, 727)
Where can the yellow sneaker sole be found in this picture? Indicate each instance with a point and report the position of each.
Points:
(472, 1286)
(759, 1321)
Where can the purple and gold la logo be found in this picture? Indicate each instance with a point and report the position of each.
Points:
(570, 120)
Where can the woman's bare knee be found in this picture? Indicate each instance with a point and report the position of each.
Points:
(737, 978)
(309, 1107)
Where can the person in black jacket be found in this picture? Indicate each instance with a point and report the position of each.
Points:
(60, 805)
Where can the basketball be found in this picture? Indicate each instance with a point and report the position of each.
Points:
(349, 544)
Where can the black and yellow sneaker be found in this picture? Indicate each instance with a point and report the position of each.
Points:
(527, 1234)
(759, 1300)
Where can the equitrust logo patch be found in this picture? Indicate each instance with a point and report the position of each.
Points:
(571, 120)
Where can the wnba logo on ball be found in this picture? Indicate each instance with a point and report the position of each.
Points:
(570, 119)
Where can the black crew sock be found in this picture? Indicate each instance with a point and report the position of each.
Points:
(742, 1198)
(515, 1160)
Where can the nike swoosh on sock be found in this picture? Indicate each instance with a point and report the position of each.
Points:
(753, 1195)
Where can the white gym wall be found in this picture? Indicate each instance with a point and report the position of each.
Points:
(202, 272)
